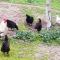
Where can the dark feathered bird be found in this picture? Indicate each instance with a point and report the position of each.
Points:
(11, 24)
(38, 25)
(29, 19)
(5, 45)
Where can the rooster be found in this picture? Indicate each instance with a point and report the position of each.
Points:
(11, 24)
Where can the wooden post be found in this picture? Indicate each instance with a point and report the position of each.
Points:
(48, 10)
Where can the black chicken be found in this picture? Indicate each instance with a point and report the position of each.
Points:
(29, 19)
(5, 45)
(38, 25)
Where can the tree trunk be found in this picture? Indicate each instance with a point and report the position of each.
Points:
(48, 10)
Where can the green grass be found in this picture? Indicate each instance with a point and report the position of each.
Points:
(54, 3)
(20, 50)
(26, 1)
(22, 27)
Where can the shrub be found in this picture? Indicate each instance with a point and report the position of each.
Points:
(46, 36)
(26, 36)
(49, 35)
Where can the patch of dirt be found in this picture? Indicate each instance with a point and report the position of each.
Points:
(52, 52)
(9, 11)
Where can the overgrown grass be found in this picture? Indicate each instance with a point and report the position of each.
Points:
(56, 4)
(20, 50)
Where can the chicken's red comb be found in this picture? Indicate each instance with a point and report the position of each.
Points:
(4, 17)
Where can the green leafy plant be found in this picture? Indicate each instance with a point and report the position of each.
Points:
(26, 36)
(49, 35)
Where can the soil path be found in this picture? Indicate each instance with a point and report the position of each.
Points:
(51, 52)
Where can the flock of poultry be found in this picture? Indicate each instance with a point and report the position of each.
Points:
(7, 24)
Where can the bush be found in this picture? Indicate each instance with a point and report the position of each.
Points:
(46, 36)
(26, 36)
(49, 35)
